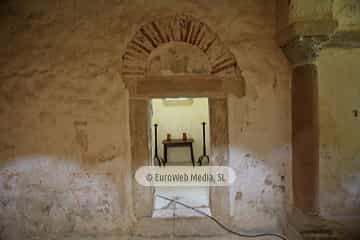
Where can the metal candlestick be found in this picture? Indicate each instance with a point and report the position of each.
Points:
(204, 156)
(156, 156)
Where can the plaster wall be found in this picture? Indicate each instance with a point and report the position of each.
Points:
(64, 145)
(347, 14)
(308, 10)
(339, 91)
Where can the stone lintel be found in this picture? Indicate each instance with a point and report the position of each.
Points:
(189, 85)
(350, 39)
(306, 29)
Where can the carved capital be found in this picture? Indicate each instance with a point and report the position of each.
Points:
(304, 49)
(301, 42)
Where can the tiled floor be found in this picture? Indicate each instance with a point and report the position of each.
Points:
(196, 197)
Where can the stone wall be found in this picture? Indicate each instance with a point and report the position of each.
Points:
(64, 145)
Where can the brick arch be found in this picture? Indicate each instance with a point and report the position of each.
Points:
(179, 28)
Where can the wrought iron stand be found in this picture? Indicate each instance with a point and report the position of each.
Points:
(204, 156)
(156, 156)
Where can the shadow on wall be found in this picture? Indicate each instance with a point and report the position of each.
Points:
(42, 195)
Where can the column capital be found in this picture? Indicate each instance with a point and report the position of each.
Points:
(304, 49)
(301, 42)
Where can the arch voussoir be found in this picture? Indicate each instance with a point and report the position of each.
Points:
(178, 28)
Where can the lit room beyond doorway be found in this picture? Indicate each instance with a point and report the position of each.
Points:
(182, 136)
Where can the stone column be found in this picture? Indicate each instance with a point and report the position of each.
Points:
(302, 53)
(305, 137)
(303, 28)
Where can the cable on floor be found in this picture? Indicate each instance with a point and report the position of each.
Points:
(221, 224)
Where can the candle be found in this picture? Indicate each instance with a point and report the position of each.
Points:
(184, 137)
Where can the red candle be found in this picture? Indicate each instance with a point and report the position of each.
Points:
(184, 137)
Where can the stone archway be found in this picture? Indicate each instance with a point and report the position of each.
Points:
(223, 78)
(186, 29)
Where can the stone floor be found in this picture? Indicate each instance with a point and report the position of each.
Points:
(223, 237)
(196, 197)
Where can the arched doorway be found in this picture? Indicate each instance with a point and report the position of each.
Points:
(221, 77)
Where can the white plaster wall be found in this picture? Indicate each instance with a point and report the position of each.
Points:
(178, 118)
(260, 155)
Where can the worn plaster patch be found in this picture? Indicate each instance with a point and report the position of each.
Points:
(48, 196)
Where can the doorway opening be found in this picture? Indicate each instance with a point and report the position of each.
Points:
(180, 142)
